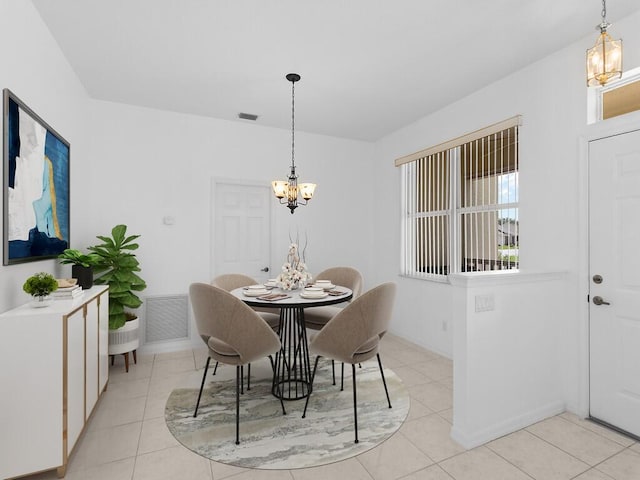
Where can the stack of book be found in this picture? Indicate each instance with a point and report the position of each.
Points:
(67, 293)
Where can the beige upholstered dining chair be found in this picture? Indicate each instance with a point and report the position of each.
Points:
(317, 317)
(231, 281)
(234, 333)
(354, 334)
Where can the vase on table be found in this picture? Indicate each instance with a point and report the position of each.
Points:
(288, 286)
(294, 272)
(40, 301)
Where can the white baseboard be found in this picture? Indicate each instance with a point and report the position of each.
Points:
(472, 439)
(170, 346)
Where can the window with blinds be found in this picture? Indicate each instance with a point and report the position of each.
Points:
(460, 204)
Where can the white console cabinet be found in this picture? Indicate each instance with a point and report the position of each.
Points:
(54, 367)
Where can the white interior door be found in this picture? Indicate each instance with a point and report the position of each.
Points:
(242, 230)
(614, 311)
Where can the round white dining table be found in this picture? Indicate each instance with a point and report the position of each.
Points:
(292, 372)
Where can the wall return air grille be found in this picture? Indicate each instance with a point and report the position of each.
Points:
(167, 318)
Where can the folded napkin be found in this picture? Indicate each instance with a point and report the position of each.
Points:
(274, 296)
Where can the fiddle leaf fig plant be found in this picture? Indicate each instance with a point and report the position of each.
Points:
(119, 264)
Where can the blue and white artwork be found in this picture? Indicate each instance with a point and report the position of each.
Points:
(36, 171)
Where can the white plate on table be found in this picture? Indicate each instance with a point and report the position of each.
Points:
(328, 286)
(314, 295)
(255, 292)
(313, 289)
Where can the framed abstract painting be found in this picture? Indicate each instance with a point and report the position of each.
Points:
(36, 186)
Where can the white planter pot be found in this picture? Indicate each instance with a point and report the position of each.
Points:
(124, 339)
(39, 301)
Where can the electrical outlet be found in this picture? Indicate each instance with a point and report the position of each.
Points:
(485, 303)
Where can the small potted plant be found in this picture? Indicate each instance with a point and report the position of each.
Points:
(81, 265)
(39, 286)
(120, 265)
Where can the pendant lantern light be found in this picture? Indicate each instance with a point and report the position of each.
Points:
(604, 59)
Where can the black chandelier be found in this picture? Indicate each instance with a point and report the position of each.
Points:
(287, 190)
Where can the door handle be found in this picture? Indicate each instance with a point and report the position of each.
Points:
(599, 301)
(265, 269)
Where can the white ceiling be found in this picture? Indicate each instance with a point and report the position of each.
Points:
(368, 67)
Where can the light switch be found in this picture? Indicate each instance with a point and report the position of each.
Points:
(484, 303)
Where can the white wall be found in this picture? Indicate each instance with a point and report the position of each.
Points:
(552, 98)
(35, 70)
(148, 163)
(134, 166)
(506, 363)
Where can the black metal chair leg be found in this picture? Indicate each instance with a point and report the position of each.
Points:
(355, 407)
(242, 379)
(313, 376)
(204, 377)
(284, 412)
(383, 380)
(215, 369)
(238, 382)
(342, 378)
(248, 377)
(273, 370)
(333, 370)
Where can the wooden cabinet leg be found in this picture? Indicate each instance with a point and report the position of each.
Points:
(61, 471)
(135, 357)
(126, 361)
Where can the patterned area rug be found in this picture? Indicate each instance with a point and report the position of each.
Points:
(269, 440)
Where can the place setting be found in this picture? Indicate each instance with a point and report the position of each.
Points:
(313, 292)
(327, 287)
(321, 289)
(264, 291)
(256, 290)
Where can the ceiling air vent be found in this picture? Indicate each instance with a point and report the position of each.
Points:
(248, 116)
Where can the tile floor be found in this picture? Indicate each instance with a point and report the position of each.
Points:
(127, 437)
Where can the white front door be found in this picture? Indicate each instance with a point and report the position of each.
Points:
(242, 230)
(614, 308)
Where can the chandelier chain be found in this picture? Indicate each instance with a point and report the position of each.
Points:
(604, 11)
(293, 123)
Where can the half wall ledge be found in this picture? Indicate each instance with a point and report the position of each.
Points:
(508, 331)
